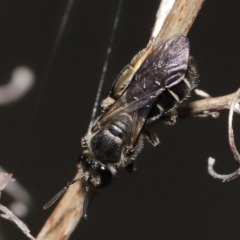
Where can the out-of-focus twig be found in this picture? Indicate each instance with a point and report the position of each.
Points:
(10, 216)
(5, 179)
(7, 214)
(21, 81)
(22, 200)
(234, 107)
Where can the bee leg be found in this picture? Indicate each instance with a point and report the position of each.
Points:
(85, 203)
(151, 137)
(131, 167)
(89, 195)
(168, 120)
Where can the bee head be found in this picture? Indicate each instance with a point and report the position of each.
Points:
(98, 174)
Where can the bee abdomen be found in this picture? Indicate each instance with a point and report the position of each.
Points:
(169, 99)
(173, 96)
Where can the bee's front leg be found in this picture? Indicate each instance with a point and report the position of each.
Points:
(107, 103)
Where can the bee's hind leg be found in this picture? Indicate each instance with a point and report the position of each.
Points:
(131, 167)
(151, 137)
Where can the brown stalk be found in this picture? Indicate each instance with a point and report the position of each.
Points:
(66, 215)
(204, 106)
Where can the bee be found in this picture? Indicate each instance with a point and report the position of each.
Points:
(143, 92)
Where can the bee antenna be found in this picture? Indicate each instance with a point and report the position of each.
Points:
(106, 61)
(60, 193)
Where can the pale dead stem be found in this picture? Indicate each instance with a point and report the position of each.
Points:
(179, 19)
(211, 107)
(204, 106)
(234, 107)
(6, 178)
(67, 214)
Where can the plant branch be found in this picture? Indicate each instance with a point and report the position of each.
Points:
(179, 19)
(204, 106)
(234, 107)
(5, 178)
(66, 215)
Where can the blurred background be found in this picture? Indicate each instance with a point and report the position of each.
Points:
(171, 195)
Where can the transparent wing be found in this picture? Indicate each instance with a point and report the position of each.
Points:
(163, 68)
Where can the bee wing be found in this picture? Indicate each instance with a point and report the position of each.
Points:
(164, 67)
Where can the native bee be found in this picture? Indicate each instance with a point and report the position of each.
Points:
(164, 79)
(143, 92)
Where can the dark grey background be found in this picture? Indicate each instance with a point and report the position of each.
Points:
(171, 196)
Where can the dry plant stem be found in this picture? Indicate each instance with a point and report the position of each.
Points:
(66, 215)
(180, 19)
(5, 178)
(10, 216)
(20, 196)
(223, 177)
(230, 128)
(20, 83)
(211, 161)
(163, 11)
(204, 105)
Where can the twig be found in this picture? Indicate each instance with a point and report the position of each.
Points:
(69, 211)
(163, 11)
(223, 177)
(7, 214)
(204, 105)
(230, 128)
(22, 198)
(20, 83)
(180, 19)
(233, 108)
(10, 216)
(66, 215)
